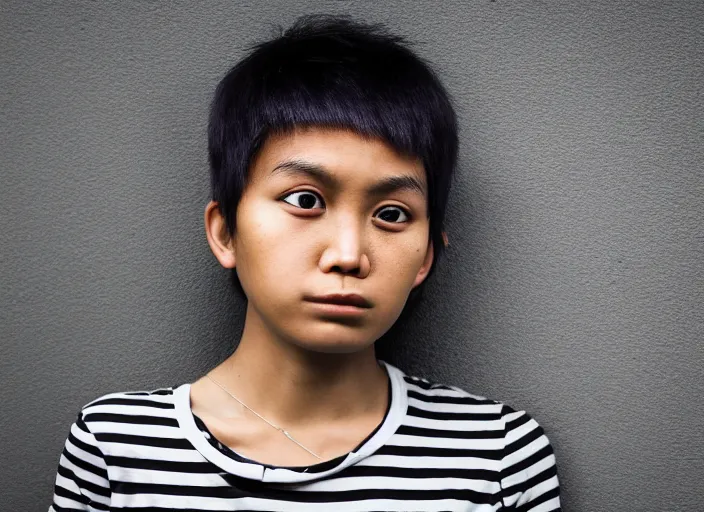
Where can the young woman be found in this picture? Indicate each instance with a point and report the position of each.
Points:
(332, 149)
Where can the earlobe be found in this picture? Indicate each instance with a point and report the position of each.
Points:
(222, 245)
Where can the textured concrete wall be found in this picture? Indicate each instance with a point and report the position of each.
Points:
(576, 265)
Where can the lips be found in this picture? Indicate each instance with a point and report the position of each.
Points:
(342, 300)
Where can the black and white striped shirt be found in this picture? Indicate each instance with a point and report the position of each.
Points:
(438, 448)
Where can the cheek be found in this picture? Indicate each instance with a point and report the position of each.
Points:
(401, 262)
(268, 245)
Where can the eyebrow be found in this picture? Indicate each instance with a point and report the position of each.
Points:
(384, 186)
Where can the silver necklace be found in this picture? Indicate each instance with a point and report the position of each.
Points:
(284, 432)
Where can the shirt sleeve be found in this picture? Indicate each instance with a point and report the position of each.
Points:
(82, 477)
(528, 469)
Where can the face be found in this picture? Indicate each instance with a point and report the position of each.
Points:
(326, 211)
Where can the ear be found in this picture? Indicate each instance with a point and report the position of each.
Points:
(222, 245)
(425, 267)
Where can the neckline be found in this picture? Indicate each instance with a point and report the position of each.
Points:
(247, 468)
(313, 468)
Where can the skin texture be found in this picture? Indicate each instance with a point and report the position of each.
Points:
(297, 364)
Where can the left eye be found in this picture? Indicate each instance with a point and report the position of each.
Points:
(393, 214)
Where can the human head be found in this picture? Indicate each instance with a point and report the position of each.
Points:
(331, 71)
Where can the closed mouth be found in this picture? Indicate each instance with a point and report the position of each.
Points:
(342, 300)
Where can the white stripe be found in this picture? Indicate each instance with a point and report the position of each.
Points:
(173, 502)
(150, 476)
(513, 416)
(456, 408)
(547, 506)
(397, 461)
(395, 483)
(529, 472)
(107, 427)
(131, 410)
(136, 451)
(521, 431)
(60, 501)
(123, 394)
(537, 491)
(82, 454)
(446, 442)
(85, 475)
(525, 452)
(68, 484)
(455, 425)
(366, 505)
(454, 392)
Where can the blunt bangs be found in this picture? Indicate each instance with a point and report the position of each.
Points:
(331, 71)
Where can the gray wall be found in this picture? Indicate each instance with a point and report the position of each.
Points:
(577, 244)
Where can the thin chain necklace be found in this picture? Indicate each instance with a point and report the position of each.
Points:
(284, 432)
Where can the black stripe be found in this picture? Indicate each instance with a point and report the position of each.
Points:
(137, 419)
(418, 382)
(553, 493)
(80, 498)
(517, 422)
(460, 415)
(450, 434)
(83, 484)
(546, 451)
(525, 440)
(65, 493)
(57, 508)
(131, 401)
(84, 465)
(158, 442)
(93, 450)
(531, 482)
(160, 391)
(163, 465)
(425, 451)
(419, 472)
(425, 384)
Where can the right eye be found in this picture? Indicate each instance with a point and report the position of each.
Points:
(304, 199)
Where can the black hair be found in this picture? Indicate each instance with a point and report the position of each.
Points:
(332, 71)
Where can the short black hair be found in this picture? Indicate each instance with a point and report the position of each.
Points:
(332, 71)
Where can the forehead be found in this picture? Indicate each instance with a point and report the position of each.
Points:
(351, 158)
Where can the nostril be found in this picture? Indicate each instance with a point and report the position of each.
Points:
(337, 268)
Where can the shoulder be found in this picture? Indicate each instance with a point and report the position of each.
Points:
(524, 456)
(456, 399)
(450, 399)
(118, 410)
(514, 423)
(105, 427)
(142, 397)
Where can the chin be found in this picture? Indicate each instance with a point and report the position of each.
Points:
(334, 342)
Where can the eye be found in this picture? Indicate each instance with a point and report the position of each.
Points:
(394, 214)
(304, 199)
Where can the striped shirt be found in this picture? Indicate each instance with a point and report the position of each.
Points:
(438, 448)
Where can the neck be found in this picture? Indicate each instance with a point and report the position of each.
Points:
(292, 386)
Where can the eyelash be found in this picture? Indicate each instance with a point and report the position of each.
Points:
(403, 210)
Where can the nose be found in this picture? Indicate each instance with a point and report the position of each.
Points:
(345, 252)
